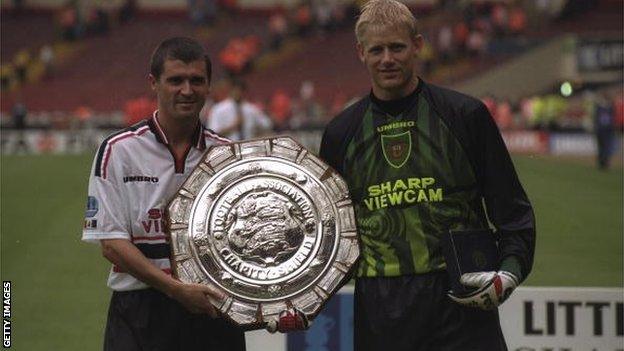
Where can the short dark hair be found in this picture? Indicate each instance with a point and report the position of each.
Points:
(178, 48)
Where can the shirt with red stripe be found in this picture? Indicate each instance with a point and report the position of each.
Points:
(134, 175)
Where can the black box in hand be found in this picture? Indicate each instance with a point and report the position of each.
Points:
(469, 251)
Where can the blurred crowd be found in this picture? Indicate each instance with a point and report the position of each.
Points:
(74, 21)
(455, 31)
(309, 17)
(554, 112)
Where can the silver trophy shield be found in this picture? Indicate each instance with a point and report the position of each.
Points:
(269, 224)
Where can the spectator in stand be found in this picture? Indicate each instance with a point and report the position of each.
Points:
(68, 21)
(46, 56)
(280, 110)
(303, 19)
(476, 43)
(202, 11)
(323, 10)
(339, 15)
(517, 20)
(460, 37)
(618, 106)
(237, 119)
(238, 55)
(604, 126)
(98, 21)
(427, 58)
(278, 28)
(21, 62)
(232, 60)
(137, 109)
(19, 114)
(499, 17)
(445, 43)
(128, 11)
(6, 76)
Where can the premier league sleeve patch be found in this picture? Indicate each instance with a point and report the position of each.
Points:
(90, 224)
(91, 211)
(92, 207)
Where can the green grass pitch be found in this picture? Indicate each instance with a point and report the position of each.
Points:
(59, 294)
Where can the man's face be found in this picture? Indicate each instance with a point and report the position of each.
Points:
(390, 54)
(181, 89)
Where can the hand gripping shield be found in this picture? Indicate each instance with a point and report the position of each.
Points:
(269, 224)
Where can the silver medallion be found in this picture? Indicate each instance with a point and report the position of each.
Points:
(269, 224)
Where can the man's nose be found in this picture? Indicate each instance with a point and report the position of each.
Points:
(386, 57)
(186, 88)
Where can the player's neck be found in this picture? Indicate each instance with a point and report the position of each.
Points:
(388, 95)
(179, 132)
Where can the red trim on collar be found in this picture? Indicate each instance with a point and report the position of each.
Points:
(156, 128)
(198, 140)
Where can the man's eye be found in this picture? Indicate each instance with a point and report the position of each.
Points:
(198, 80)
(175, 80)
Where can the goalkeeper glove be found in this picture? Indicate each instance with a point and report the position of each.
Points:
(289, 320)
(493, 288)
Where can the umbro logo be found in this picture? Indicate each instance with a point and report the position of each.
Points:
(148, 179)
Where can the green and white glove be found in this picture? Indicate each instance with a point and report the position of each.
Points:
(493, 288)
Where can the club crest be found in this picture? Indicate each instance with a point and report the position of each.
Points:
(397, 148)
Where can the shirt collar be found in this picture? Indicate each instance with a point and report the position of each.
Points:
(198, 140)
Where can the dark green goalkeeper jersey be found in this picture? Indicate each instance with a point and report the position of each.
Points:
(423, 170)
(410, 180)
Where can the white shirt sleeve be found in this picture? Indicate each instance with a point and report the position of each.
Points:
(105, 216)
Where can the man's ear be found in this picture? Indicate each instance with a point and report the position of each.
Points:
(360, 51)
(152, 81)
(419, 42)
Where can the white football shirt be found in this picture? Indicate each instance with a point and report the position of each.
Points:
(133, 177)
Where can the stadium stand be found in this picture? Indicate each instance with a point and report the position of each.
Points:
(487, 39)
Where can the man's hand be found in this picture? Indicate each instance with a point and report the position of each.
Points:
(289, 320)
(493, 289)
(197, 298)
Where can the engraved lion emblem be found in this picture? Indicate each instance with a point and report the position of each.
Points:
(265, 227)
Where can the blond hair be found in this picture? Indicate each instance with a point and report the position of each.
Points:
(385, 13)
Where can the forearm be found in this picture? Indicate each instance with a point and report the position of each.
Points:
(127, 256)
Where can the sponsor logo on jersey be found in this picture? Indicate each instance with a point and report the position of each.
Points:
(395, 125)
(403, 192)
(154, 224)
(154, 213)
(397, 148)
(135, 178)
(92, 206)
